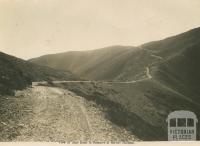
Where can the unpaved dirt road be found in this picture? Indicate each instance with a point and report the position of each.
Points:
(147, 70)
(60, 115)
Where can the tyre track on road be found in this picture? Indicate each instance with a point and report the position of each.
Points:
(60, 115)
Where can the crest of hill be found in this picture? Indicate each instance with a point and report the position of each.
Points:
(16, 74)
(126, 63)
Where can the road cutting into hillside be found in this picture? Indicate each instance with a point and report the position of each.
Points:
(60, 115)
(147, 73)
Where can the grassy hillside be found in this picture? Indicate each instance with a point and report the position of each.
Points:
(173, 61)
(122, 62)
(17, 74)
(179, 67)
(100, 64)
(141, 107)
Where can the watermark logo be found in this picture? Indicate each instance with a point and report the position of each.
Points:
(182, 126)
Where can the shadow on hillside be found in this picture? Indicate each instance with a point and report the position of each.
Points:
(117, 114)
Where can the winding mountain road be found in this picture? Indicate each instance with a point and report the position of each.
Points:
(61, 115)
(147, 72)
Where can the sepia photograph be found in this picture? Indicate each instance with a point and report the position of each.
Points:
(99, 71)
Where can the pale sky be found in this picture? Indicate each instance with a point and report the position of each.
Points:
(31, 28)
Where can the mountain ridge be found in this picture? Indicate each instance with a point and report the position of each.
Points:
(100, 66)
(136, 87)
(173, 65)
(16, 74)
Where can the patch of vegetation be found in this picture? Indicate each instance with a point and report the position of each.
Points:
(12, 109)
(16, 74)
(116, 112)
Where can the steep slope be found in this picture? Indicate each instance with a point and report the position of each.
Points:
(179, 67)
(121, 62)
(17, 74)
(141, 106)
(100, 64)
